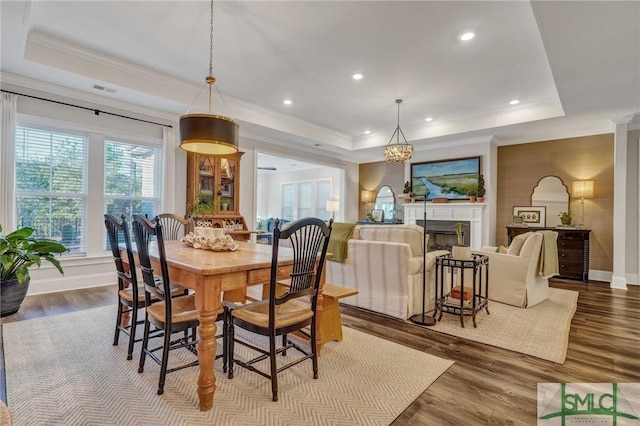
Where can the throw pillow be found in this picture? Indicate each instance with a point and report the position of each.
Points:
(502, 250)
(517, 242)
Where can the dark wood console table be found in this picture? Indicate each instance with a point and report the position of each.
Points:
(573, 250)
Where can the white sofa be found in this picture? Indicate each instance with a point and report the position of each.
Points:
(384, 263)
(516, 275)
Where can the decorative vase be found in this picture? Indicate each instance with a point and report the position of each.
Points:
(11, 296)
(461, 252)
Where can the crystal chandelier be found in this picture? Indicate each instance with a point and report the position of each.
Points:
(207, 133)
(398, 152)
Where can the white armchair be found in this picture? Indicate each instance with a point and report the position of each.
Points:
(384, 263)
(516, 277)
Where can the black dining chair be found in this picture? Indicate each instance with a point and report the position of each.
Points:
(171, 315)
(283, 312)
(174, 227)
(130, 293)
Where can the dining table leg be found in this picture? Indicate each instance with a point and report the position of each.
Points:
(207, 303)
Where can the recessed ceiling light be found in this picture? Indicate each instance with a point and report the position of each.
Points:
(287, 102)
(366, 132)
(514, 102)
(357, 76)
(317, 144)
(428, 119)
(467, 36)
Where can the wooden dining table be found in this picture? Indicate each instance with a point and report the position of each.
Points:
(210, 275)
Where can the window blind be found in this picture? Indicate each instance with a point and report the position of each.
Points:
(51, 185)
(132, 184)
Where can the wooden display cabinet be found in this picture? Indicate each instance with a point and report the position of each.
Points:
(214, 181)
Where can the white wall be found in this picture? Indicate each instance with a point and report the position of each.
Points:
(633, 205)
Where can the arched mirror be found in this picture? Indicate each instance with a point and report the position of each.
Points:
(386, 201)
(553, 194)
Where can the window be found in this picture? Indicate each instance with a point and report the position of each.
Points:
(306, 199)
(66, 180)
(131, 180)
(288, 200)
(51, 185)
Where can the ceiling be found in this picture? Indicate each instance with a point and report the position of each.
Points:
(573, 65)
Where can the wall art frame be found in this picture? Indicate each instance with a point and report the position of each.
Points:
(451, 179)
(534, 216)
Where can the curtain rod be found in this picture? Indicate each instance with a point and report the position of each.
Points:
(95, 111)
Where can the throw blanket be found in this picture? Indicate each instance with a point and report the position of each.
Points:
(549, 255)
(338, 242)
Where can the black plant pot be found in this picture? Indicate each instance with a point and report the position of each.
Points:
(11, 296)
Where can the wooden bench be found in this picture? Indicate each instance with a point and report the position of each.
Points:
(331, 325)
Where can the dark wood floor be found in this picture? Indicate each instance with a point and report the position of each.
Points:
(486, 385)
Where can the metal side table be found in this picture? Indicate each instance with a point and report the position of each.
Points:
(459, 273)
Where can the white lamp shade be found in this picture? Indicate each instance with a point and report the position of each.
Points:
(333, 206)
(366, 196)
(583, 188)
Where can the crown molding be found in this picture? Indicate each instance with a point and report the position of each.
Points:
(626, 119)
(105, 61)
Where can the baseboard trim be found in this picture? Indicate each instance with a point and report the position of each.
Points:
(618, 282)
(55, 285)
(598, 275)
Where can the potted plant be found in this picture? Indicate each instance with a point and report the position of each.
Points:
(565, 218)
(224, 203)
(19, 251)
(472, 195)
(460, 250)
(199, 207)
(406, 192)
(481, 189)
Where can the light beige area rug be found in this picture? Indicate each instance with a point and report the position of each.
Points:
(63, 370)
(541, 331)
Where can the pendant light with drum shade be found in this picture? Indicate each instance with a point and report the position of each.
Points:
(207, 133)
(398, 153)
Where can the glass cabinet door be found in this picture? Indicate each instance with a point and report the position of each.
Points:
(206, 180)
(226, 190)
(213, 181)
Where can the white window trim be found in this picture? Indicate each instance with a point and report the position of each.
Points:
(296, 195)
(97, 138)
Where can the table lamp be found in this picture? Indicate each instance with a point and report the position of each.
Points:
(367, 198)
(582, 189)
(332, 207)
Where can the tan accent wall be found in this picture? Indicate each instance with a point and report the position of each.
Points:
(374, 175)
(520, 167)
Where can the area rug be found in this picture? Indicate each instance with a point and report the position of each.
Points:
(541, 331)
(63, 370)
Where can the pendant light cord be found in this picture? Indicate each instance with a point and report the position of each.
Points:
(398, 101)
(210, 79)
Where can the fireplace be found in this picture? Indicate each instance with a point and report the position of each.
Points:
(441, 217)
(441, 233)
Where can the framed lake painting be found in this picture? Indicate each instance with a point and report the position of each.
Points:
(451, 179)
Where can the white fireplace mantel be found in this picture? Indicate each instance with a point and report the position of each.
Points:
(471, 212)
